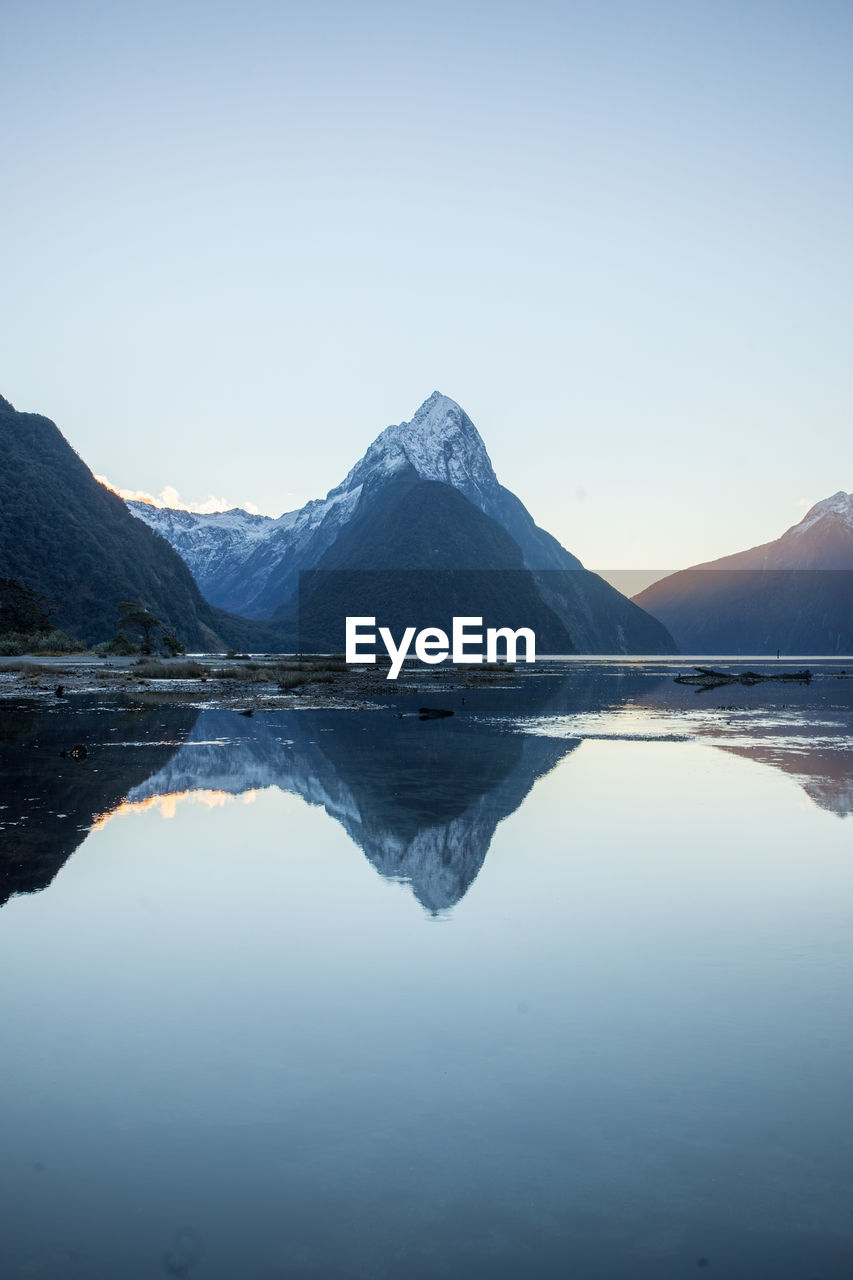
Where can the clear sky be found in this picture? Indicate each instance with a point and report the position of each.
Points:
(239, 240)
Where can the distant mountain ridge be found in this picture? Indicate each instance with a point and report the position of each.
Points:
(794, 594)
(251, 564)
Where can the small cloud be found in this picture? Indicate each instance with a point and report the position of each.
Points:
(170, 497)
(805, 503)
(130, 495)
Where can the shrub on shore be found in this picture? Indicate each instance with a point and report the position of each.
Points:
(49, 644)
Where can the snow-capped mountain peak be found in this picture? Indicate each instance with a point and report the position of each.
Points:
(440, 442)
(252, 566)
(232, 554)
(837, 507)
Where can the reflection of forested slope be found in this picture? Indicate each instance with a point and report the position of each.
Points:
(804, 730)
(49, 802)
(826, 776)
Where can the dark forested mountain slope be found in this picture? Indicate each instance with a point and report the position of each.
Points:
(67, 537)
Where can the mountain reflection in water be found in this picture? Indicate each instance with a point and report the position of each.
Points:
(230, 1048)
(422, 800)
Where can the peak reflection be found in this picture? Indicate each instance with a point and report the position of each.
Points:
(421, 800)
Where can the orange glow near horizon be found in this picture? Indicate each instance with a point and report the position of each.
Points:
(167, 805)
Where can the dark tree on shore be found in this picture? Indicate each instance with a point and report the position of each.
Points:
(134, 617)
(171, 644)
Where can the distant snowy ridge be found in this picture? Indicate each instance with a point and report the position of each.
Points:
(837, 508)
(231, 553)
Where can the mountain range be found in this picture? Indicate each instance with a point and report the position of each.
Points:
(420, 529)
(424, 497)
(794, 594)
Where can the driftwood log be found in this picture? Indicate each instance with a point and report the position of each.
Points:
(708, 678)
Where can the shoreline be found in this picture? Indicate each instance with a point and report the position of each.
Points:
(266, 682)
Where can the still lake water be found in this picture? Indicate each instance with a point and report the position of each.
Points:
(560, 987)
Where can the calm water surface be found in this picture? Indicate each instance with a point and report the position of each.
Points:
(559, 987)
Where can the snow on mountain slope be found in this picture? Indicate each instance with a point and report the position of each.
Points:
(206, 542)
(839, 506)
(231, 553)
(822, 540)
(440, 443)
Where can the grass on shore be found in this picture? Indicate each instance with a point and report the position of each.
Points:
(153, 670)
(35, 671)
(286, 674)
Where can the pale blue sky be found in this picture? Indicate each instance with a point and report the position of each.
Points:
(238, 241)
